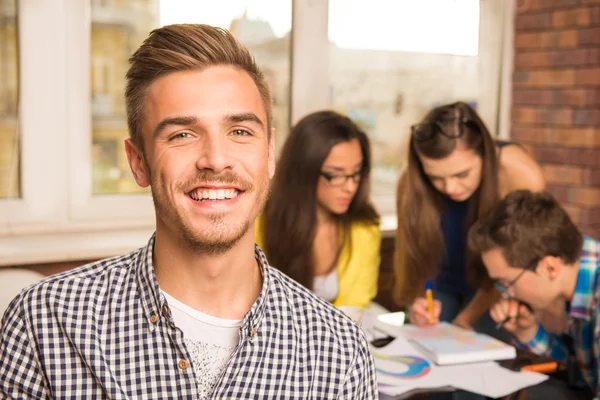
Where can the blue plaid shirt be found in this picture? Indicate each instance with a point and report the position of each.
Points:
(583, 323)
(105, 331)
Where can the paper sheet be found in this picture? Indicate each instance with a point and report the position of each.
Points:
(488, 378)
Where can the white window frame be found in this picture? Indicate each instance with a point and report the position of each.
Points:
(57, 218)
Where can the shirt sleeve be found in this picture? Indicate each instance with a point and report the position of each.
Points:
(361, 381)
(547, 344)
(359, 287)
(20, 375)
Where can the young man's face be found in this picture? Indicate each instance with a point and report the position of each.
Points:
(208, 157)
(539, 286)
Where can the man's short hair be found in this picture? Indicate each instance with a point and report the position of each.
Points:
(526, 227)
(184, 47)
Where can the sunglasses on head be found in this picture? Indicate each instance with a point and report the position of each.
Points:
(426, 131)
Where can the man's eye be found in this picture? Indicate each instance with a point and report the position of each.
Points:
(240, 132)
(180, 135)
(463, 175)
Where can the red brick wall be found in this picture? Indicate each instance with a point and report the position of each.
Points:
(556, 99)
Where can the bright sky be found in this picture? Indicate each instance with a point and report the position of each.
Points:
(431, 26)
(220, 12)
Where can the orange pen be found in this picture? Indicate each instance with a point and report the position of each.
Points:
(543, 368)
(429, 296)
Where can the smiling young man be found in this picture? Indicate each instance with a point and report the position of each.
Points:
(539, 259)
(197, 313)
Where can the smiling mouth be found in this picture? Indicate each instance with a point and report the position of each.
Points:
(204, 194)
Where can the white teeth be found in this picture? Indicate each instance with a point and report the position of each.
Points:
(210, 194)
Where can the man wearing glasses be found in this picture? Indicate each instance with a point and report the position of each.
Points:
(538, 258)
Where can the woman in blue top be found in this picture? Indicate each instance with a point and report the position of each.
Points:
(456, 173)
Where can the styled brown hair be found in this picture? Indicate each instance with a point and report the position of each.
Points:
(527, 226)
(184, 47)
(290, 216)
(419, 241)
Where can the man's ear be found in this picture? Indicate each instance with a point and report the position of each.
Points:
(271, 153)
(138, 165)
(551, 267)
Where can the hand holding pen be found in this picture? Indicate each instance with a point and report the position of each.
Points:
(516, 317)
(425, 311)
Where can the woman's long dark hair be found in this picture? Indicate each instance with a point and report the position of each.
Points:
(419, 241)
(290, 215)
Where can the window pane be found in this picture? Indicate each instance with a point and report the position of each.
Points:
(9, 67)
(406, 58)
(119, 27)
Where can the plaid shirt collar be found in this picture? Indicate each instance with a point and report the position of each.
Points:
(586, 296)
(154, 303)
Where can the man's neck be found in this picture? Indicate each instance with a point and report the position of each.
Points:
(224, 285)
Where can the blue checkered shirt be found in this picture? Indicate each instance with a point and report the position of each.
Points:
(105, 331)
(583, 323)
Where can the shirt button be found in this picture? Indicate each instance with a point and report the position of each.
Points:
(183, 364)
(166, 310)
(154, 318)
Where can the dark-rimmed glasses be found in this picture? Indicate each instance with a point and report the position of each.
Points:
(341, 179)
(503, 289)
(426, 131)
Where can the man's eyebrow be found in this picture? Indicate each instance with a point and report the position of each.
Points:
(244, 117)
(181, 121)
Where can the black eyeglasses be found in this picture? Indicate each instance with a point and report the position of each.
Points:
(340, 180)
(426, 131)
(502, 288)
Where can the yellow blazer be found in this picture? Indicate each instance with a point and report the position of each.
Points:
(357, 267)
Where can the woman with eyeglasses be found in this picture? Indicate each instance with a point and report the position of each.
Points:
(319, 226)
(456, 174)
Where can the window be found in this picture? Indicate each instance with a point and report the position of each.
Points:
(118, 28)
(406, 58)
(9, 138)
(66, 192)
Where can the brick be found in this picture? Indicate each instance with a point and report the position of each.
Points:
(548, 78)
(520, 77)
(571, 18)
(562, 174)
(573, 137)
(572, 58)
(583, 157)
(574, 212)
(588, 77)
(526, 6)
(560, 192)
(533, 21)
(592, 97)
(532, 59)
(586, 116)
(584, 196)
(556, 97)
(544, 116)
(590, 1)
(546, 40)
(595, 15)
(533, 97)
(590, 177)
(569, 97)
(589, 36)
(590, 216)
(549, 154)
(561, 39)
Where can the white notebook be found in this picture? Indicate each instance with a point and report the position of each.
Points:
(447, 344)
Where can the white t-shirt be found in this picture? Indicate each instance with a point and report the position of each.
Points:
(209, 340)
(326, 286)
